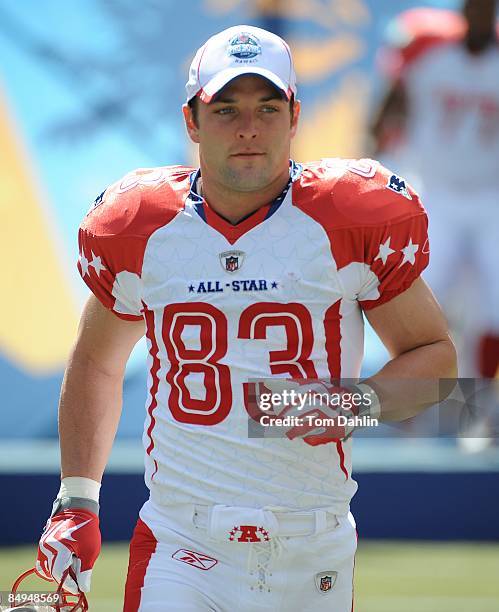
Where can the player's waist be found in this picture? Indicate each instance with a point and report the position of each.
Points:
(242, 524)
(221, 520)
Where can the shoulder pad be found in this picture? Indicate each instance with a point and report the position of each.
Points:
(349, 193)
(142, 199)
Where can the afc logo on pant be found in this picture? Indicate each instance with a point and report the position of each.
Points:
(248, 534)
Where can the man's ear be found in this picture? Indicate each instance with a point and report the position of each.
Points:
(190, 123)
(295, 118)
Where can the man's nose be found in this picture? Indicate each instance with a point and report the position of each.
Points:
(247, 128)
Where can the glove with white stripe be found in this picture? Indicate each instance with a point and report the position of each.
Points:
(318, 402)
(71, 538)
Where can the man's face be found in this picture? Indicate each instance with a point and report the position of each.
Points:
(244, 134)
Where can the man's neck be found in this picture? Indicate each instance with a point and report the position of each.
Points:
(236, 205)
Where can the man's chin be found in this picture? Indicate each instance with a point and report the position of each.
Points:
(248, 180)
(250, 186)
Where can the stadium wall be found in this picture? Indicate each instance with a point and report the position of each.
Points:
(402, 505)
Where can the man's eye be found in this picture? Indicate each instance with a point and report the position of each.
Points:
(224, 111)
(270, 109)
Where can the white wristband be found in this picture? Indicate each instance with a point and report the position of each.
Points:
(375, 407)
(77, 486)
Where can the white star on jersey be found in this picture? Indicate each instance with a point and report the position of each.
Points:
(84, 264)
(409, 252)
(384, 251)
(97, 264)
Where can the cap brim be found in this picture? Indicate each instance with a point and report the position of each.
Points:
(219, 81)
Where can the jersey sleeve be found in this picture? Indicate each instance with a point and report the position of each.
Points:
(114, 235)
(375, 222)
(394, 237)
(396, 255)
(379, 237)
(110, 257)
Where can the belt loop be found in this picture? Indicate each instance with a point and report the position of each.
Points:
(320, 521)
(195, 516)
(271, 522)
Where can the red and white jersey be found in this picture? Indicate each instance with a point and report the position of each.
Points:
(281, 293)
(452, 136)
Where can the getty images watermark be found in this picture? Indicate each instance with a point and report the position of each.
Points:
(313, 410)
(320, 411)
(311, 406)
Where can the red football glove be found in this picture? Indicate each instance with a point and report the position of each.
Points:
(310, 411)
(307, 431)
(71, 538)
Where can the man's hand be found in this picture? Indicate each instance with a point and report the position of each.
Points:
(316, 407)
(71, 538)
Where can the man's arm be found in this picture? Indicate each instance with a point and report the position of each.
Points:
(414, 330)
(89, 413)
(91, 395)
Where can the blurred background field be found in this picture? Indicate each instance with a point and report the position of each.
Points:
(90, 90)
(390, 577)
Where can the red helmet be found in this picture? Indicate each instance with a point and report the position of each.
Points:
(60, 600)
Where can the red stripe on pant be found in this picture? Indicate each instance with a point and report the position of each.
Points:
(341, 455)
(142, 546)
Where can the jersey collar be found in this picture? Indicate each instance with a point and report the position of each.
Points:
(210, 217)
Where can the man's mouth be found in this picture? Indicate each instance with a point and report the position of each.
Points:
(247, 154)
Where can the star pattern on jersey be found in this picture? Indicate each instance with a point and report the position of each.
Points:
(84, 265)
(384, 251)
(96, 264)
(409, 252)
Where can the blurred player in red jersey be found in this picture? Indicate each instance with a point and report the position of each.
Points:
(441, 114)
(249, 267)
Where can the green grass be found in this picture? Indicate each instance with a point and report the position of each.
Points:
(389, 577)
(427, 577)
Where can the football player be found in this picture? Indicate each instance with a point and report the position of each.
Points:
(249, 267)
(441, 113)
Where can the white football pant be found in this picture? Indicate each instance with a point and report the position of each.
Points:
(188, 558)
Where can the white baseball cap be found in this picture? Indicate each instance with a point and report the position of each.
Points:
(236, 51)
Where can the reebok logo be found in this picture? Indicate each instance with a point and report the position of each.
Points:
(202, 562)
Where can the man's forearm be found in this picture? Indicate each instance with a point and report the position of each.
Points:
(89, 413)
(415, 380)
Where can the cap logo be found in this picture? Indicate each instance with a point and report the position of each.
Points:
(244, 46)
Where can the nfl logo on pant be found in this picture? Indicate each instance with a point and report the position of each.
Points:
(324, 581)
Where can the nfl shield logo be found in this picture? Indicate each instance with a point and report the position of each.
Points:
(231, 260)
(325, 581)
(398, 184)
